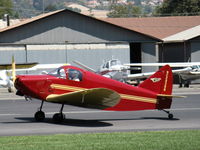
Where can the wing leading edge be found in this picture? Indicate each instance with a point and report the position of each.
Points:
(99, 98)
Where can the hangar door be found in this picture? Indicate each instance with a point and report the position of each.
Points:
(135, 55)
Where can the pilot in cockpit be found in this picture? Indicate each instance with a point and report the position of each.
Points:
(74, 75)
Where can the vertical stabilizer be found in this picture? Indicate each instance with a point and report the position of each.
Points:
(161, 82)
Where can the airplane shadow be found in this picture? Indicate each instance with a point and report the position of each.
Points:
(160, 118)
(87, 123)
(68, 122)
(142, 118)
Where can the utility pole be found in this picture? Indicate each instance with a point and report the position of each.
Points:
(43, 6)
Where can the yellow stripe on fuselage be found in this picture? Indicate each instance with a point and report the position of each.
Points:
(67, 88)
(139, 98)
(123, 96)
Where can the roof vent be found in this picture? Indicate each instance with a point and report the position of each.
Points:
(7, 18)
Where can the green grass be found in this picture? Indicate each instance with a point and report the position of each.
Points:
(155, 140)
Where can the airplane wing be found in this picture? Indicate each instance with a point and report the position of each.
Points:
(147, 74)
(18, 66)
(30, 66)
(42, 66)
(171, 64)
(99, 98)
(139, 75)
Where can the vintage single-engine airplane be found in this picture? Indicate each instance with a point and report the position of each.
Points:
(75, 86)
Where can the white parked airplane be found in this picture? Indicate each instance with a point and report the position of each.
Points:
(116, 70)
(6, 79)
(112, 69)
(190, 71)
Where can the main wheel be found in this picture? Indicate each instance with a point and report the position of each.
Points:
(170, 116)
(39, 116)
(58, 117)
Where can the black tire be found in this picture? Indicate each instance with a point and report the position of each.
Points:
(39, 116)
(10, 90)
(187, 85)
(170, 116)
(58, 117)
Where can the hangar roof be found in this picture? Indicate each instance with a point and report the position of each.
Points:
(27, 21)
(159, 27)
(184, 35)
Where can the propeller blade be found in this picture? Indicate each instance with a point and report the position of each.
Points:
(13, 69)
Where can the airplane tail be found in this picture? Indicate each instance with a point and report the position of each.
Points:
(161, 83)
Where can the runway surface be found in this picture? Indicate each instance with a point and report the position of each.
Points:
(16, 117)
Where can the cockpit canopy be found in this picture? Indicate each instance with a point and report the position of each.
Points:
(195, 68)
(111, 63)
(70, 74)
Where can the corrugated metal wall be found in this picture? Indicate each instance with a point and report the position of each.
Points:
(195, 49)
(89, 54)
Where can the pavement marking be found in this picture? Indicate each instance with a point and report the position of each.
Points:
(10, 114)
(99, 111)
(186, 93)
(12, 98)
(175, 109)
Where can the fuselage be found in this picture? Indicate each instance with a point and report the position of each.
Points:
(60, 82)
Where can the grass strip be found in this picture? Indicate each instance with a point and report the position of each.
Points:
(148, 140)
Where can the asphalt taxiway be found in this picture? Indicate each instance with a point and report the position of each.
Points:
(16, 116)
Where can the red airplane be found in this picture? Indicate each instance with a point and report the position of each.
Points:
(74, 86)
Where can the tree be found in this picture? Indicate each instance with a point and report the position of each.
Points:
(50, 7)
(38, 4)
(178, 7)
(6, 7)
(25, 8)
(124, 11)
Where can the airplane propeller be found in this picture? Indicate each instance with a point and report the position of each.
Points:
(13, 69)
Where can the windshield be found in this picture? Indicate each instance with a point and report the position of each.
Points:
(115, 62)
(196, 67)
(59, 72)
(74, 75)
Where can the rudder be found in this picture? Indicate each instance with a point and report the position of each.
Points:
(161, 83)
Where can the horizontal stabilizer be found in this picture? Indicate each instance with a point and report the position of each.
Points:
(171, 96)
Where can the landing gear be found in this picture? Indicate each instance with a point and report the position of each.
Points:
(59, 117)
(185, 83)
(40, 115)
(170, 116)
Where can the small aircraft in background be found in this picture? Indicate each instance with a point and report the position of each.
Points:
(191, 71)
(113, 69)
(75, 86)
(7, 71)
